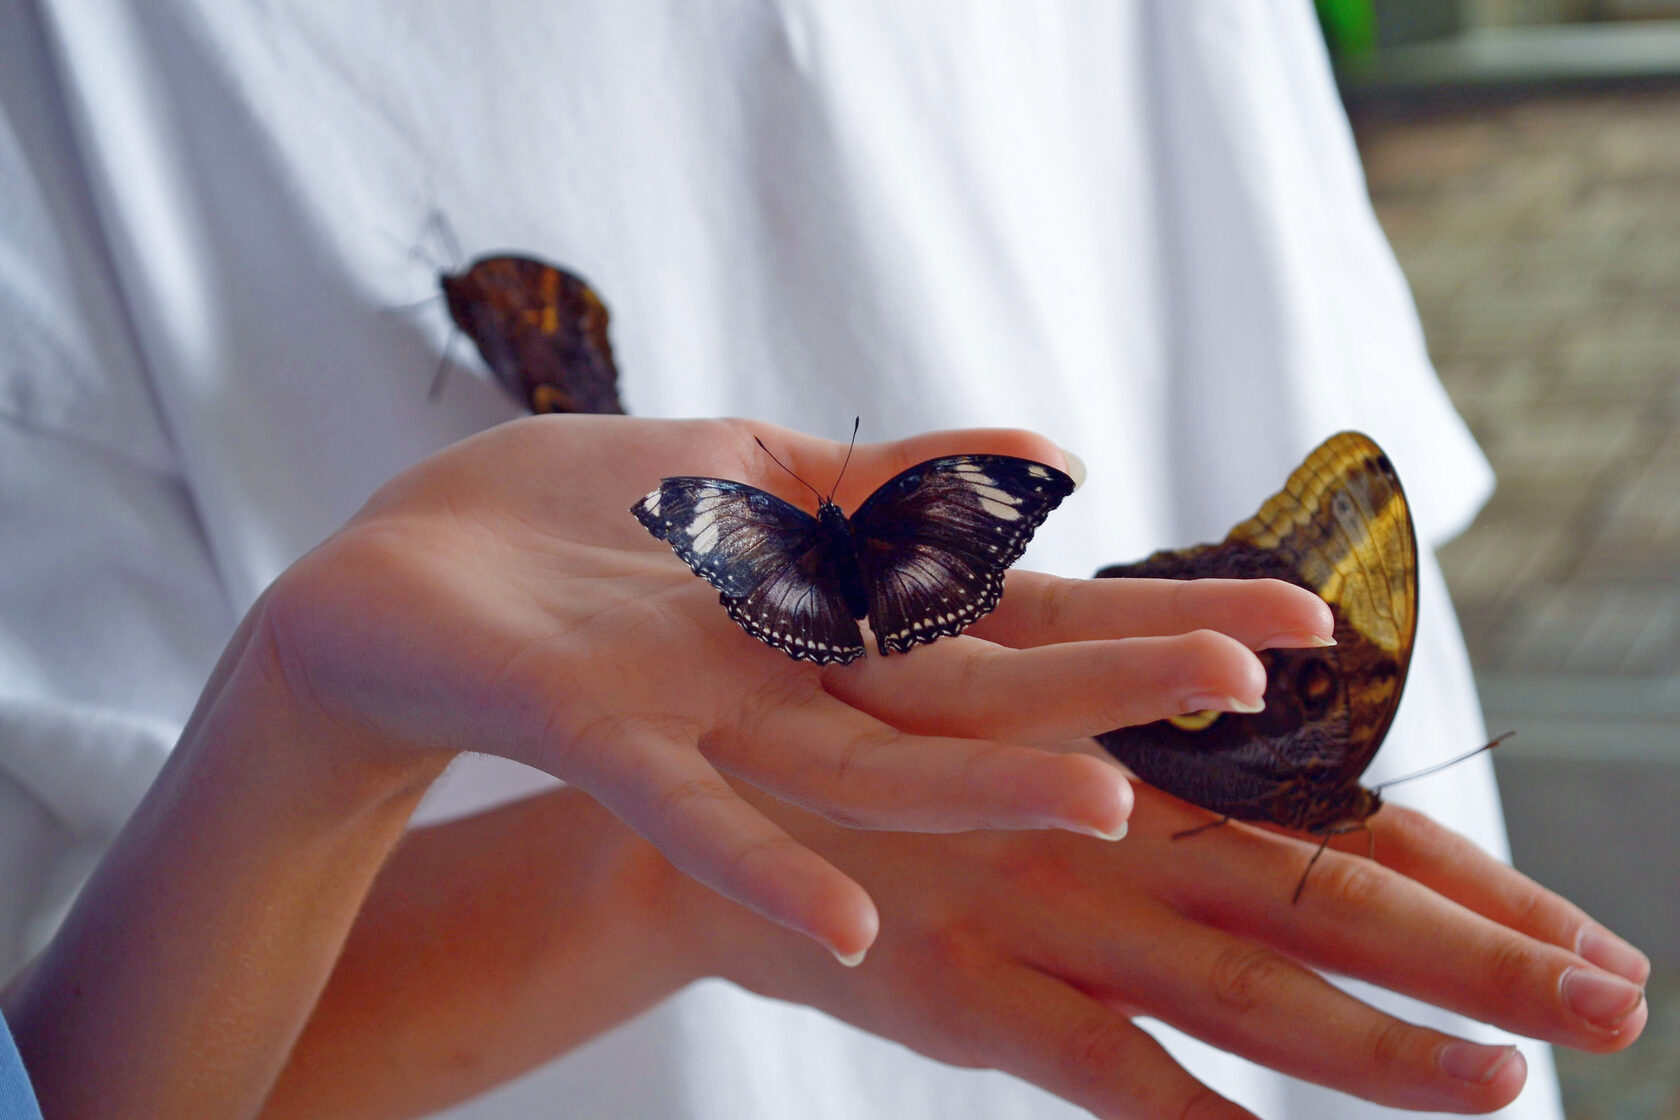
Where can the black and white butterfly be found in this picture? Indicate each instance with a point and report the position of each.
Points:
(923, 557)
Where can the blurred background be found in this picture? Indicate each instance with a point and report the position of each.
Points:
(1524, 157)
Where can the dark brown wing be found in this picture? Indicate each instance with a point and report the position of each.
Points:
(542, 331)
(935, 540)
(1340, 527)
(771, 562)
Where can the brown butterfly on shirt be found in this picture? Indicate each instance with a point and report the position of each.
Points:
(541, 329)
(1341, 528)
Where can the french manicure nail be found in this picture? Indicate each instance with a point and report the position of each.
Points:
(1092, 830)
(851, 961)
(1296, 640)
(1207, 701)
(1612, 954)
(1075, 468)
(1599, 998)
(1469, 1061)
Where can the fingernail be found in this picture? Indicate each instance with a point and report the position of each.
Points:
(852, 960)
(1207, 701)
(1469, 1061)
(1296, 640)
(1075, 468)
(1599, 998)
(1092, 830)
(1612, 954)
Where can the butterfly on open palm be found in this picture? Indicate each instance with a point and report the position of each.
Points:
(922, 558)
(1340, 527)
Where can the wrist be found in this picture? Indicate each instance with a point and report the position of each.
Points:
(216, 915)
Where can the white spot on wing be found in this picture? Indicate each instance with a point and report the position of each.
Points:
(704, 533)
(998, 510)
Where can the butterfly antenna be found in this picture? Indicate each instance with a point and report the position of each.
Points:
(850, 447)
(789, 469)
(446, 234)
(1443, 765)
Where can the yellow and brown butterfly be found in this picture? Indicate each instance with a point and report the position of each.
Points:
(541, 329)
(1340, 527)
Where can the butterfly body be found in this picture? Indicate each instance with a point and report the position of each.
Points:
(921, 559)
(839, 553)
(541, 329)
(1340, 528)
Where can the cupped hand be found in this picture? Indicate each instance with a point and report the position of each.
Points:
(500, 598)
(1035, 952)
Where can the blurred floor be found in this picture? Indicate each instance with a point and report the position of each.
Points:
(1541, 236)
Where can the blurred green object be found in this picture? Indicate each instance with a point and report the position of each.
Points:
(1350, 27)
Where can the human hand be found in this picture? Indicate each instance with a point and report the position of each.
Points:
(499, 597)
(1033, 953)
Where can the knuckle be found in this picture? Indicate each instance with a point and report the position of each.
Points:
(954, 948)
(851, 765)
(976, 675)
(1245, 977)
(1508, 966)
(610, 741)
(1097, 1044)
(1184, 605)
(685, 795)
(780, 693)
(1411, 832)
(1056, 606)
(1391, 1045)
(1350, 884)
(759, 849)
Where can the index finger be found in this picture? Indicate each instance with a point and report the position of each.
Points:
(1038, 609)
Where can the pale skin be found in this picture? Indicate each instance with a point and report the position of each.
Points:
(258, 934)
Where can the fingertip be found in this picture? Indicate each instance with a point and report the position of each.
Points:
(852, 928)
(837, 914)
(1101, 799)
(1319, 621)
(1609, 952)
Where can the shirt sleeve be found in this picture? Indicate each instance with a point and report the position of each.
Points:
(17, 1099)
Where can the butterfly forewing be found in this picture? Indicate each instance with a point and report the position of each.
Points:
(934, 541)
(768, 559)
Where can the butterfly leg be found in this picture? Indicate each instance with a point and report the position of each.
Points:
(1201, 828)
(442, 370)
(1299, 887)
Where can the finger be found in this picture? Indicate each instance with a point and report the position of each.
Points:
(1044, 1031)
(1054, 692)
(1360, 919)
(1419, 848)
(856, 770)
(1250, 1000)
(649, 772)
(1038, 609)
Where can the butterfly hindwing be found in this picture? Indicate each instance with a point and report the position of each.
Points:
(1339, 527)
(768, 559)
(935, 540)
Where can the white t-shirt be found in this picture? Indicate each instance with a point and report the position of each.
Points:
(1138, 227)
